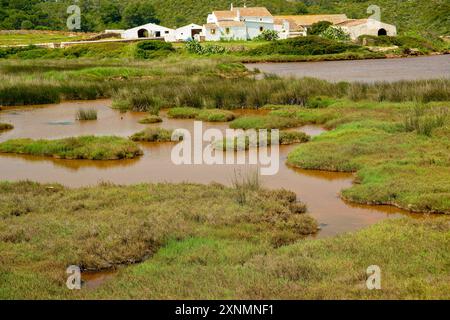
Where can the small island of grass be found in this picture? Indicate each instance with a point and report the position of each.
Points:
(151, 119)
(153, 135)
(81, 148)
(208, 115)
(6, 126)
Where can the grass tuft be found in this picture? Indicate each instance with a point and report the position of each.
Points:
(86, 115)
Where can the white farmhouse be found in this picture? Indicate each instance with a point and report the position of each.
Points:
(150, 30)
(237, 24)
(287, 28)
(371, 27)
(188, 32)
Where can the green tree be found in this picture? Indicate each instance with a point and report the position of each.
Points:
(319, 27)
(110, 12)
(139, 13)
(301, 8)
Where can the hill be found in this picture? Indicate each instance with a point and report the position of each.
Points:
(412, 16)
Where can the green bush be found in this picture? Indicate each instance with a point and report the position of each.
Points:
(319, 27)
(267, 35)
(335, 33)
(310, 45)
(193, 46)
(152, 48)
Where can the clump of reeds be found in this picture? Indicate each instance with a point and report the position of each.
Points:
(423, 120)
(86, 115)
(245, 184)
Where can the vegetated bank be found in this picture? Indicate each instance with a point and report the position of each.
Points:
(85, 147)
(399, 151)
(255, 245)
(132, 224)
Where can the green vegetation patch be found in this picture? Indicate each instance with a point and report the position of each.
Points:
(215, 115)
(304, 46)
(46, 228)
(183, 113)
(399, 154)
(86, 115)
(243, 142)
(83, 148)
(264, 122)
(153, 135)
(151, 119)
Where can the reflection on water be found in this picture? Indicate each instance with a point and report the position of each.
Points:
(320, 190)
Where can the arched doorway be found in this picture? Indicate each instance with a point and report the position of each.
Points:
(382, 32)
(143, 33)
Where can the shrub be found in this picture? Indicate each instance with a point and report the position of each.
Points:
(193, 46)
(319, 27)
(335, 33)
(153, 135)
(86, 115)
(310, 45)
(267, 35)
(152, 48)
(319, 102)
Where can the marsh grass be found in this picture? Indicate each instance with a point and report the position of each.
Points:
(243, 143)
(81, 148)
(110, 225)
(201, 83)
(86, 115)
(215, 115)
(153, 135)
(264, 122)
(398, 151)
(183, 113)
(245, 183)
(151, 119)
(423, 120)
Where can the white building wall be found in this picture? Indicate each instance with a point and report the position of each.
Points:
(185, 33)
(370, 28)
(254, 28)
(153, 30)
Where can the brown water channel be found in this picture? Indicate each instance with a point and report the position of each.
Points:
(320, 190)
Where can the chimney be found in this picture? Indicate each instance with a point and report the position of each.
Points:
(231, 9)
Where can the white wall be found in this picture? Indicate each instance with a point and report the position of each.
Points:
(253, 28)
(185, 33)
(370, 28)
(152, 29)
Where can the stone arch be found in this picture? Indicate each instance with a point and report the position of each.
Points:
(382, 32)
(143, 33)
